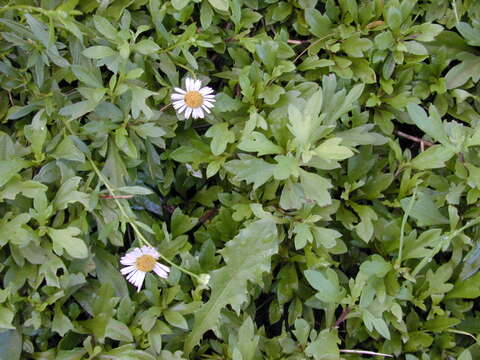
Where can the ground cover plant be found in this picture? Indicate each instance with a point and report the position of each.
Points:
(321, 204)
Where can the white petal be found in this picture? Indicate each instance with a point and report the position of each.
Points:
(128, 260)
(140, 279)
(194, 113)
(178, 104)
(132, 275)
(189, 84)
(152, 251)
(163, 267)
(177, 96)
(181, 91)
(199, 112)
(160, 272)
(188, 112)
(205, 90)
(209, 97)
(128, 269)
(207, 104)
(206, 109)
(197, 84)
(184, 106)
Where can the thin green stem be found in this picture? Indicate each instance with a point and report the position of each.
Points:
(311, 45)
(402, 228)
(443, 240)
(186, 68)
(131, 221)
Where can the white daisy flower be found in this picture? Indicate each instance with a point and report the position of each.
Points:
(138, 262)
(194, 100)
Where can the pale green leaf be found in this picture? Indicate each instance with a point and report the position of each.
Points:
(247, 257)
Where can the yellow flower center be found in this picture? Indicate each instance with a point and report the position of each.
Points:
(193, 99)
(146, 263)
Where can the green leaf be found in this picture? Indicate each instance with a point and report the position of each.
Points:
(65, 239)
(10, 345)
(355, 46)
(376, 266)
(88, 76)
(325, 346)
(76, 110)
(104, 27)
(221, 5)
(117, 330)
(180, 4)
(174, 318)
(433, 158)
(247, 257)
(146, 47)
(286, 166)
(68, 194)
(61, 323)
(432, 125)
(139, 97)
(469, 33)
(6, 318)
(326, 283)
(10, 168)
(319, 24)
(221, 136)
(316, 188)
(461, 73)
(272, 94)
(465, 289)
(99, 52)
(181, 223)
(251, 170)
(424, 211)
(16, 230)
(330, 149)
(259, 143)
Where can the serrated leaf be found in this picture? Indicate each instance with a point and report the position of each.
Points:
(316, 188)
(432, 125)
(66, 239)
(247, 257)
(325, 346)
(251, 170)
(433, 158)
(221, 137)
(319, 24)
(326, 283)
(331, 149)
(259, 143)
(424, 210)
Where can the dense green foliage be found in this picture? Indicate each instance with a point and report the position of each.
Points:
(331, 195)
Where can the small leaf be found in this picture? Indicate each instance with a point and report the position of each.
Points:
(117, 330)
(259, 143)
(174, 318)
(221, 136)
(433, 158)
(319, 24)
(316, 188)
(99, 52)
(65, 239)
(221, 5)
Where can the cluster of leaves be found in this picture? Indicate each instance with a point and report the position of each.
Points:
(332, 194)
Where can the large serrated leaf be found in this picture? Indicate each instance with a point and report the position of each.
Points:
(247, 257)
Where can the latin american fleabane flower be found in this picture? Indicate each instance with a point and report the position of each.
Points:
(138, 262)
(195, 100)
